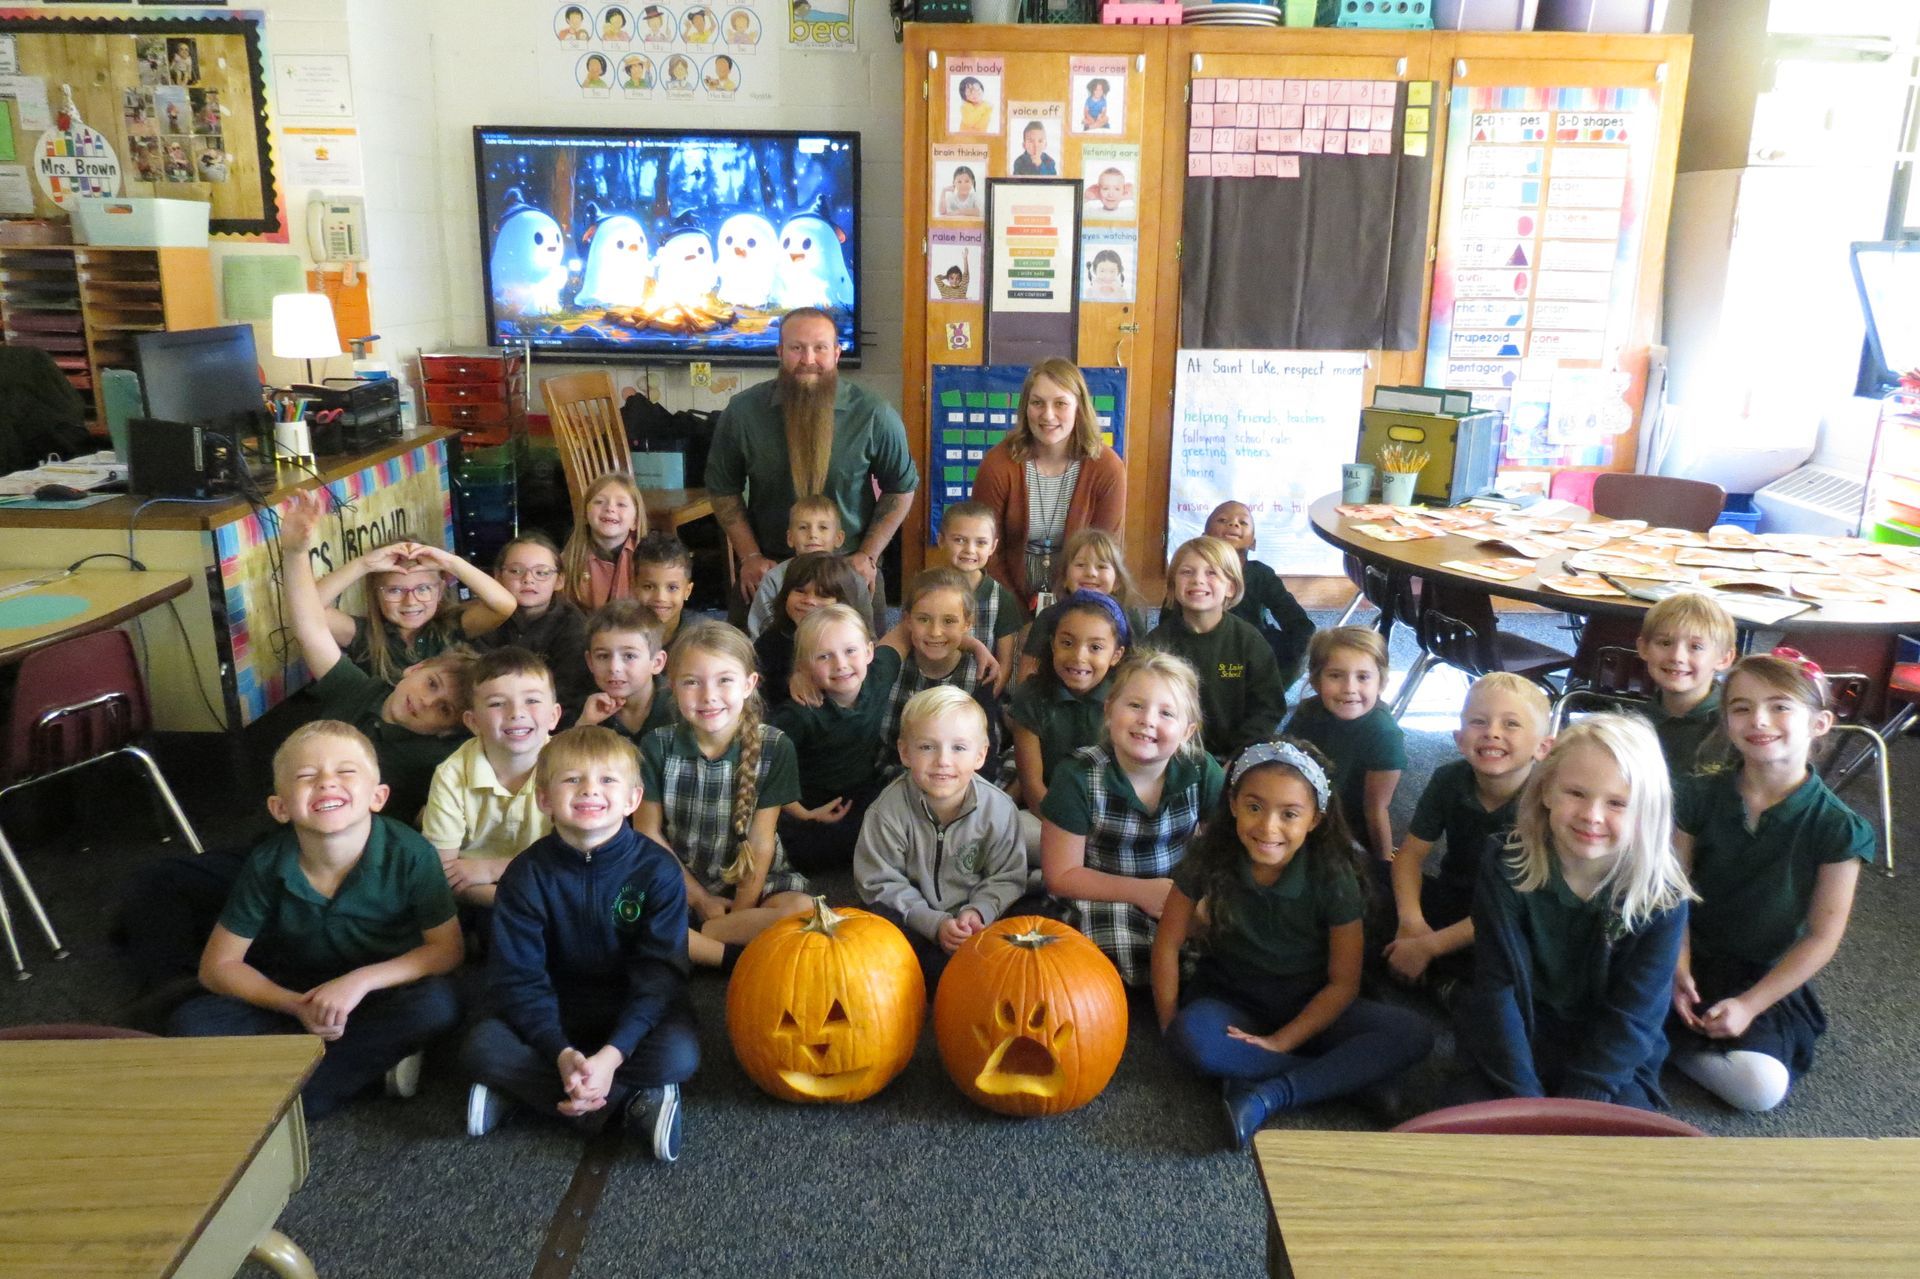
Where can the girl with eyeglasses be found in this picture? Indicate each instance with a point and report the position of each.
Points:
(409, 617)
(543, 619)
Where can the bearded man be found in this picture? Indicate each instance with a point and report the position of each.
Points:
(808, 432)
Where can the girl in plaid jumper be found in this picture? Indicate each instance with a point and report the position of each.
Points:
(935, 640)
(714, 785)
(1118, 816)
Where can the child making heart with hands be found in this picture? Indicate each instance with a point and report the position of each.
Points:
(409, 618)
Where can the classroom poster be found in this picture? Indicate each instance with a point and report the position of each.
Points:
(404, 497)
(954, 258)
(1108, 256)
(973, 94)
(1098, 97)
(1542, 213)
(821, 25)
(1033, 270)
(1268, 428)
(709, 51)
(1110, 174)
(959, 187)
(1033, 139)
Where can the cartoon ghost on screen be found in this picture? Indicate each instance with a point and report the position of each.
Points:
(749, 257)
(813, 268)
(683, 268)
(529, 263)
(618, 265)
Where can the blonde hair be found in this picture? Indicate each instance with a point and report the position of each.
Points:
(307, 732)
(1690, 613)
(1107, 547)
(1646, 878)
(1525, 691)
(1086, 442)
(1361, 639)
(1175, 672)
(724, 641)
(584, 747)
(575, 579)
(1218, 556)
(806, 636)
(938, 702)
(443, 625)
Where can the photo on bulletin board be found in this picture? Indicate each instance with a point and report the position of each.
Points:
(616, 25)
(954, 256)
(636, 74)
(1111, 175)
(572, 24)
(657, 25)
(680, 76)
(740, 29)
(593, 72)
(959, 182)
(721, 76)
(698, 25)
(1108, 256)
(1099, 96)
(1033, 139)
(973, 94)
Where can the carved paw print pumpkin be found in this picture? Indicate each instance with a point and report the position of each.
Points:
(827, 1006)
(1031, 1018)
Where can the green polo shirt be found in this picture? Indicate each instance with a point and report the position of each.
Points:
(749, 459)
(1450, 806)
(1373, 743)
(387, 902)
(1069, 803)
(1280, 928)
(1756, 884)
(837, 741)
(407, 759)
(1564, 934)
(1062, 719)
(661, 712)
(1681, 736)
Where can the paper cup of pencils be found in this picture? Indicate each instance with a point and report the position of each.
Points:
(1356, 482)
(1400, 469)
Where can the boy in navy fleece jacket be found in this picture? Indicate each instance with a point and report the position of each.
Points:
(587, 977)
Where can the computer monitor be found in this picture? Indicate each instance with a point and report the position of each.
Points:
(209, 377)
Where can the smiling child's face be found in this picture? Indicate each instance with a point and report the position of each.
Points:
(1112, 189)
(1106, 275)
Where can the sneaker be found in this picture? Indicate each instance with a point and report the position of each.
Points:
(485, 1107)
(403, 1077)
(655, 1113)
(1245, 1111)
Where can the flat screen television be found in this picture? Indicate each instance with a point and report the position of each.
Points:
(685, 244)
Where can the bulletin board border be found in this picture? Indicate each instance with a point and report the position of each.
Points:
(248, 24)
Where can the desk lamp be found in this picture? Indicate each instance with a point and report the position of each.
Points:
(303, 329)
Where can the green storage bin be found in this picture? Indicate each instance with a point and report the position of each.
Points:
(1894, 533)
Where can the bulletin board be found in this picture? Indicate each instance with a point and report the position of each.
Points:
(974, 406)
(168, 103)
(1542, 218)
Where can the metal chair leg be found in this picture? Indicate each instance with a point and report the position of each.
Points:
(20, 972)
(1415, 673)
(33, 901)
(1353, 606)
(1875, 749)
(166, 793)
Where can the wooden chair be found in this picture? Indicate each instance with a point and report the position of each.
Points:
(585, 415)
(1663, 501)
(1549, 1117)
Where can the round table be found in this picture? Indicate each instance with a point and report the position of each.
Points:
(1425, 556)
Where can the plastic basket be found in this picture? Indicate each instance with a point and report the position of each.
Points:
(1393, 15)
(1741, 512)
(1059, 11)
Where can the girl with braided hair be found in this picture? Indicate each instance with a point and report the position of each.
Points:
(714, 784)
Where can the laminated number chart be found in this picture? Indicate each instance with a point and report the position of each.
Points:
(974, 406)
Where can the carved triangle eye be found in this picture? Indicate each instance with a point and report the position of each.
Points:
(1005, 1015)
(787, 1023)
(836, 1013)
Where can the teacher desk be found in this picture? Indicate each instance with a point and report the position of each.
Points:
(1645, 1207)
(235, 647)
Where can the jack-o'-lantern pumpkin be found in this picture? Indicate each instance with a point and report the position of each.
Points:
(826, 1006)
(1031, 1018)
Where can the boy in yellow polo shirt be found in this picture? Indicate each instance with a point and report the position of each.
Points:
(482, 808)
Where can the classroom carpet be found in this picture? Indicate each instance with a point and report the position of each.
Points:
(915, 1181)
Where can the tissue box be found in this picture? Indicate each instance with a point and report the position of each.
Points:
(138, 223)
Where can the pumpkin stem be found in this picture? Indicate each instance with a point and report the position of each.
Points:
(1032, 939)
(825, 919)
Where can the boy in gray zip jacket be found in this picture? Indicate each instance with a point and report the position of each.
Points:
(940, 852)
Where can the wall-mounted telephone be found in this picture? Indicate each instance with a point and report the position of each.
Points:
(337, 228)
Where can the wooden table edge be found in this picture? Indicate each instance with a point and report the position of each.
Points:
(11, 653)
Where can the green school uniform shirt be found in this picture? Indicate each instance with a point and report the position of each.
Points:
(1681, 736)
(384, 906)
(1062, 719)
(1450, 806)
(836, 742)
(1280, 928)
(1008, 616)
(430, 641)
(1241, 697)
(407, 759)
(1566, 934)
(1755, 885)
(1373, 743)
(1070, 804)
(661, 713)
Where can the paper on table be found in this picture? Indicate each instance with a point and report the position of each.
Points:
(1503, 570)
(248, 283)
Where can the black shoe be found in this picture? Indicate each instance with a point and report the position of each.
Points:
(1245, 1110)
(655, 1114)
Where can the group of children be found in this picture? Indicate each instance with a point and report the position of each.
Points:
(1133, 781)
